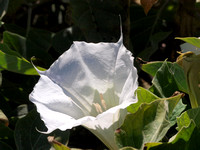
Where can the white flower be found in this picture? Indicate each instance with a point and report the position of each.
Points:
(89, 85)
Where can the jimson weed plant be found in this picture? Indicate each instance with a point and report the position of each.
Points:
(95, 95)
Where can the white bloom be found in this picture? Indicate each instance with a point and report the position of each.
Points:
(89, 85)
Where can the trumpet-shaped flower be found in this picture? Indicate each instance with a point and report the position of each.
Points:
(89, 85)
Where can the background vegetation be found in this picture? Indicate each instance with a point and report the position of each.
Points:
(46, 28)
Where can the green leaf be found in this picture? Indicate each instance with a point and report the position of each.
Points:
(152, 67)
(144, 96)
(37, 44)
(188, 134)
(150, 123)
(179, 77)
(16, 64)
(173, 71)
(15, 42)
(27, 135)
(186, 117)
(4, 48)
(169, 79)
(192, 40)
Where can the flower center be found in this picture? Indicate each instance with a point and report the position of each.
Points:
(102, 106)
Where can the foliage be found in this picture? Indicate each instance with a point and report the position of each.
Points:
(36, 32)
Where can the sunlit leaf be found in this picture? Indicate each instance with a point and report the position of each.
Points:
(192, 40)
(188, 134)
(144, 96)
(186, 117)
(169, 71)
(150, 123)
(168, 79)
(16, 64)
(152, 67)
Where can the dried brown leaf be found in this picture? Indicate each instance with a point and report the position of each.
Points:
(147, 4)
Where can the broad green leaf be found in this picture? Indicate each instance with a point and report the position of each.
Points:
(27, 135)
(168, 79)
(16, 64)
(4, 48)
(152, 67)
(144, 96)
(4, 146)
(15, 42)
(187, 116)
(37, 44)
(164, 81)
(188, 134)
(173, 68)
(179, 77)
(150, 123)
(186, 139)
(192, 40)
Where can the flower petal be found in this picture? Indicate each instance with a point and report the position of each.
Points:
(86, 80)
